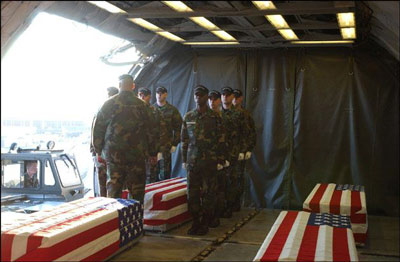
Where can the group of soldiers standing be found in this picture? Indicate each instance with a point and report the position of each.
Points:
(134, 140)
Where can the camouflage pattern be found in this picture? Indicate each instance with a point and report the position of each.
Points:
(30, 182)
(152, 169)
(124, 130)
(170, 131)
(202, 150)
(131, 177)
(101, 171)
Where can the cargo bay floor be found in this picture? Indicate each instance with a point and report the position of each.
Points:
(240, 237)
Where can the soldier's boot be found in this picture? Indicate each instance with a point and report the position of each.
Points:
(203, 229)
(227, 212)
(195, 226)
(214, 222)
(236, 205)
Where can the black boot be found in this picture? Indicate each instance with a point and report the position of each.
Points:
(195, 226)
(227, 213)
(203, 229)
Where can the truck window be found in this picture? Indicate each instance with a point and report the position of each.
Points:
(48, 175)
(68, 173)
(20, 174)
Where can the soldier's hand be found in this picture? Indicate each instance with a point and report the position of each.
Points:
(184, 165)
(227, 163)
(241, 156)
(100, 160)
(173, 148)
(248, 155)
(159, 156)
(219, 167)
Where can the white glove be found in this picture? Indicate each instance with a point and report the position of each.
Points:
(226, 163)
(241, 156)
(184, 165)
(219, 167)
(248, 155)
(159, 156)
(173, 148)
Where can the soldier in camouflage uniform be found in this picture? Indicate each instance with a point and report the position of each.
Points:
(202, 144)
(250, 142)
(214, 102)
(151, 162)
(99, 162)
(170, 131)
(234, 123)
(31, 175)
(123, 129)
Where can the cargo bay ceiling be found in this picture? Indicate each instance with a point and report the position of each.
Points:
(229, 24)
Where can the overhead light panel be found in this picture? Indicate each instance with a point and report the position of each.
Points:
(277, 21)
(324, 42)
(107, 6)
(288, 34)
(264, 5)
(156, 29)
(346, 19)
(201, 21)
(348, 33)
(212, 43)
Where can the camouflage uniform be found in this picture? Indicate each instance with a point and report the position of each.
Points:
(101, 169)
(30, 182)
(151, 169)
(124, 130)
(170, 131)
(202, 145)
(235, 136)
(250, 142)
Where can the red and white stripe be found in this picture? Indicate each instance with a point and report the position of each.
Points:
(292, 239)
(165, 202)
(325, 199)
(73, 231)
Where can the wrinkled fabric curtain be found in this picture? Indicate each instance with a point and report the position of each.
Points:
(323, 115)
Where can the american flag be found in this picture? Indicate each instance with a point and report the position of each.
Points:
(87, 229)
(304, 236)
(165, 202)
(341, 199)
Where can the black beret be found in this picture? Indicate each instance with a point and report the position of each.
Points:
(214, 93)
(227, 89)
(201, 89)
(145, 91)
(161, 89)
(237, 93)
(125, 76)
(112, 90)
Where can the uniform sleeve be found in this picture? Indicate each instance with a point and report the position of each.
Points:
(157, 127)
(177, 124)
(221, 140)
(99, 128)
(242, 133)
(91, 137)
(252, 133)
(184, 140)
(151, 131)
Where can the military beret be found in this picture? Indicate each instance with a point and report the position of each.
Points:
(112, 90)
(237, 93)
(161, 89)
(227, 89)
(125, 76)
(145, 91)
(214, 93)
(201, 89)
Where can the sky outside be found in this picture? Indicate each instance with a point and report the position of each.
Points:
(54, 71)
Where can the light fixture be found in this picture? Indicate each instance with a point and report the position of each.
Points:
(323, 42)
(201, 21)
(107, 6)
(346, 19)
(348, 33)
(145, 24)
(288, 34)
(264, 5)
(170, 36)
(212, 43)
(277, 21)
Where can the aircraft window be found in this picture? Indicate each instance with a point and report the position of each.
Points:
(48, 175)
(67, 171)
(20, 174)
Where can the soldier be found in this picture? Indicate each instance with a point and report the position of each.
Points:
(31, 176)
(169, 138)
(99, 162)
(214, 102)
(202, 155)
(234, 121)
(250, 142)
(123, 129)
(151, 162)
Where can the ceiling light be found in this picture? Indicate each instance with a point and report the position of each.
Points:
(288, 34)
(277, 21)
(324, 42)
(170, 36)
(346, 19)
(223, 35)
(145, 24)
(348, 33)
(178, 6)
(264, 5)
(107, 6)
(211, 43)
(204, 22)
